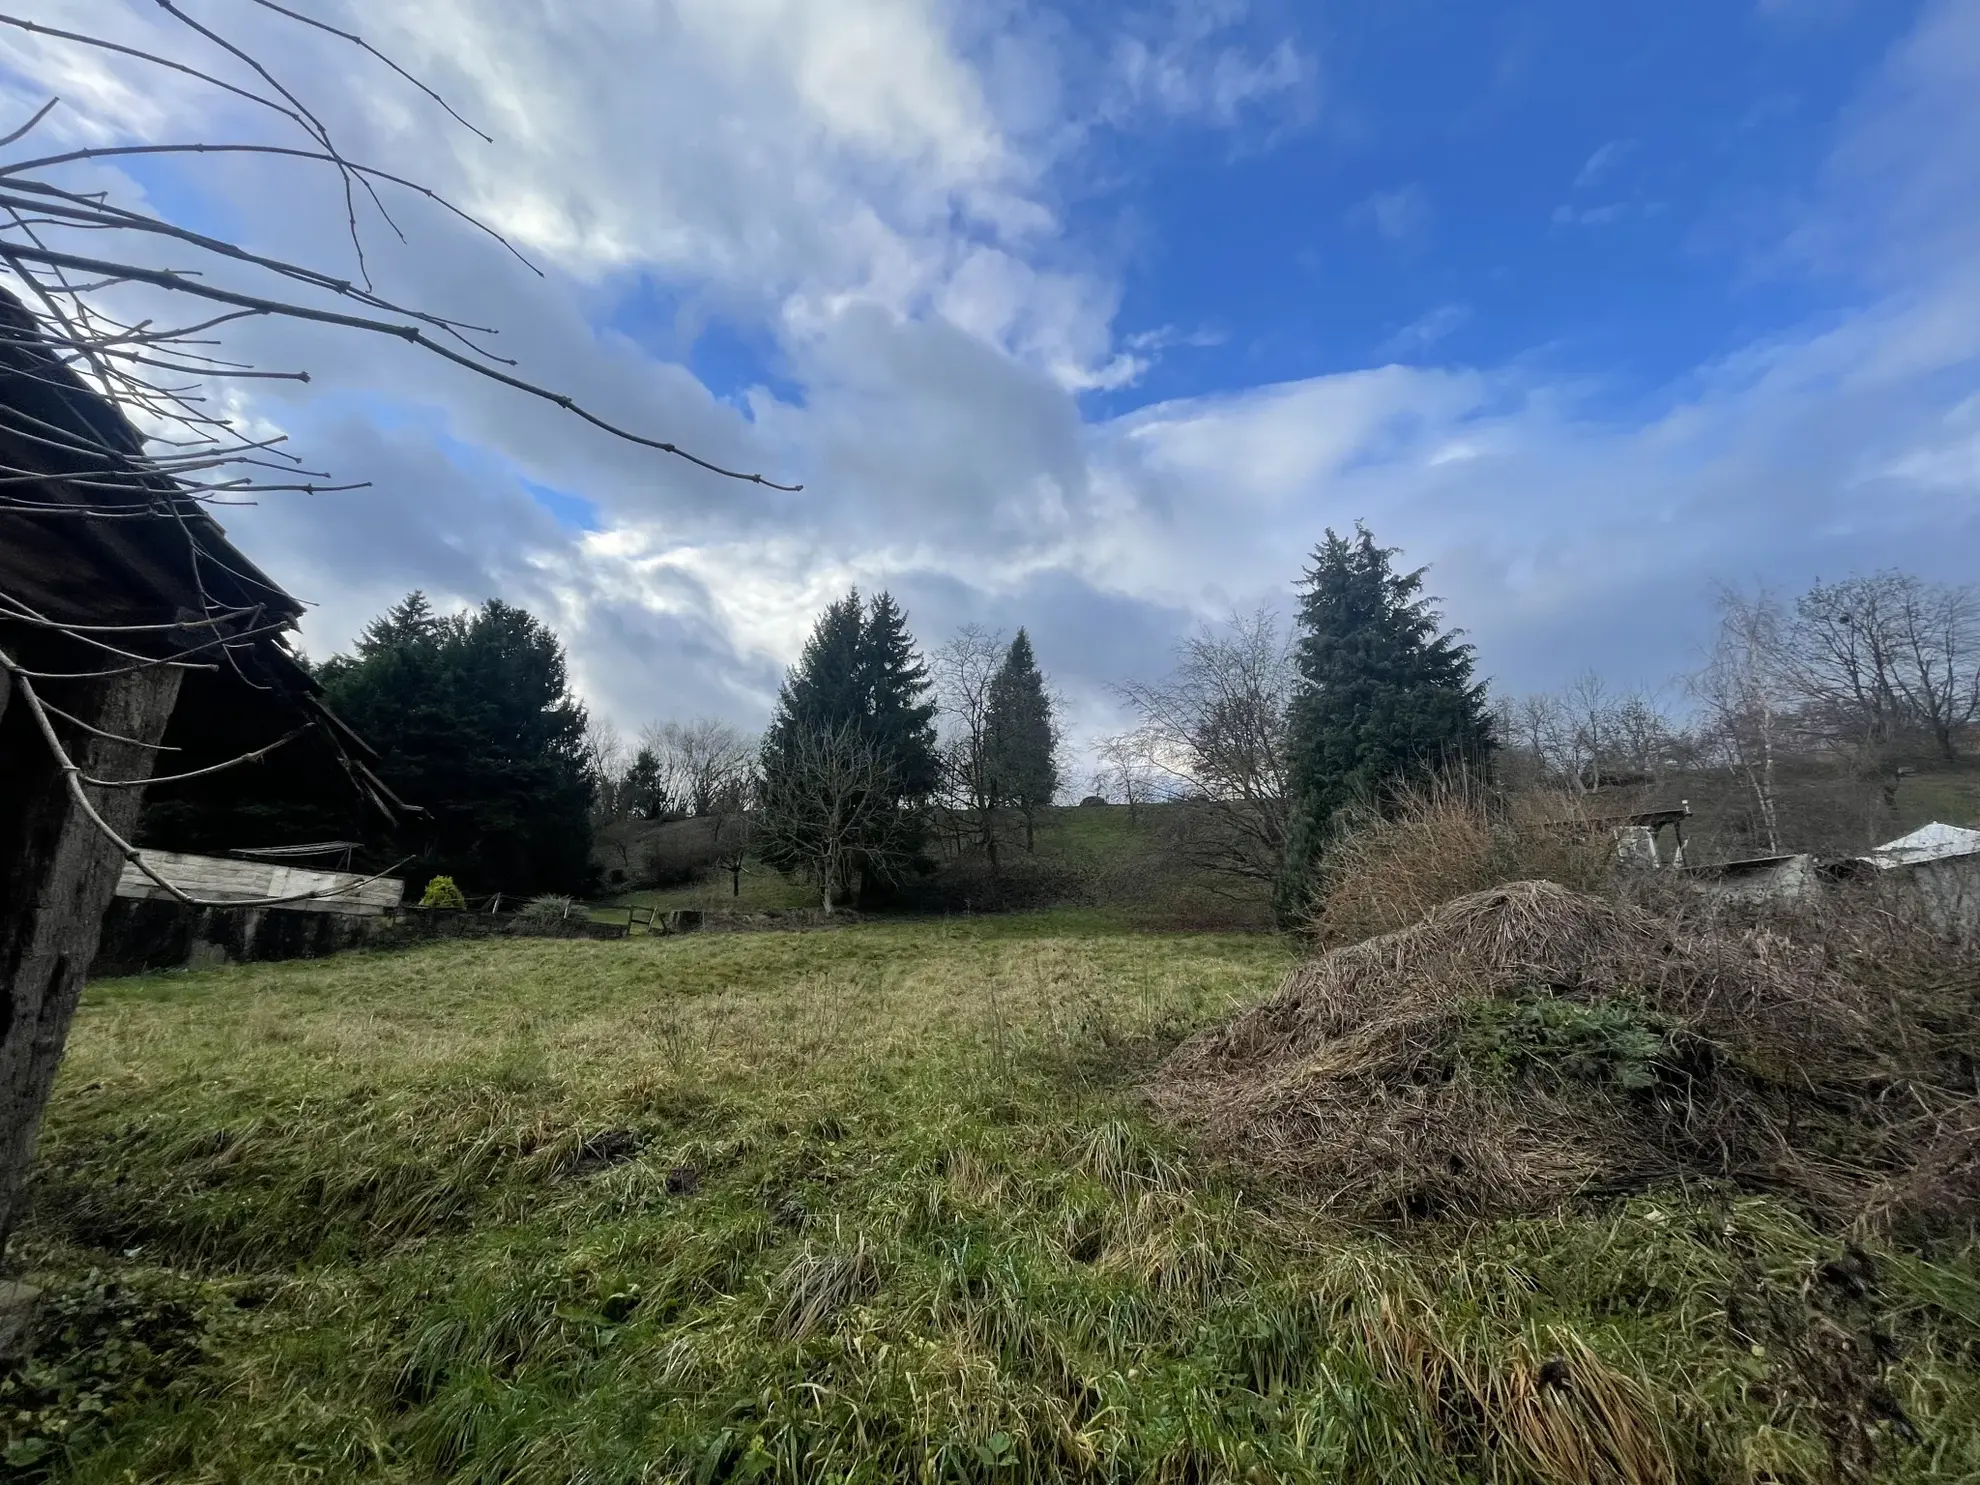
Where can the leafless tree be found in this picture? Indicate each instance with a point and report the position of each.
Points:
(735, 827)
(606, 760)
(1841, 653)
(1587, 737)
(1214, 731)
(1744, 700)
(1125, 772)
(964, 669)
(1938, 673)
(702, 762)
(828, 812)
(1862, 663)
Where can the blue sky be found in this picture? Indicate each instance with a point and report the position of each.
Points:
(1598, 188)
(1091, 318)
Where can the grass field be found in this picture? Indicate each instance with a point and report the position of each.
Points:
(876, 1203)
(1127, 862)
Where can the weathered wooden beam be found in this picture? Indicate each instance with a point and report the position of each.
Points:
(57, 875)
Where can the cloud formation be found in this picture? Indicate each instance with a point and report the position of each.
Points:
(880, 205)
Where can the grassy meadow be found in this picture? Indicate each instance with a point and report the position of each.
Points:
(1130, 863)
(874, 1203)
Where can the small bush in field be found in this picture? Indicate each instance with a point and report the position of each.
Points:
(549, 908)
(442, 892)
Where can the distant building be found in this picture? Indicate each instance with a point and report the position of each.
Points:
(1786, 878)
(1938, 862)
(1639, 835)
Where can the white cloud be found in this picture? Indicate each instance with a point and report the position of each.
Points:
(1420, 334)
(1603, 162)
(1185, 64)
(1402, 215)
(1591, 216)
(875, 197)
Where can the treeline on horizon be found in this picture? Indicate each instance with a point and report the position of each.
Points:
(1795, 732)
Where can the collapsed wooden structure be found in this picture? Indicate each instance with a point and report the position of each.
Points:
(120, 599)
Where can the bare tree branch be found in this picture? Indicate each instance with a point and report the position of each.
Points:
(167, 445)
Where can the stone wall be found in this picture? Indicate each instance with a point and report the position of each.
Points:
(158, 933)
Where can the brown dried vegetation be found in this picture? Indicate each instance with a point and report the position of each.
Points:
(1527, 1044)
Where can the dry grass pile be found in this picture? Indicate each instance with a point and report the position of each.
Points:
(1525, 1044)
(1444, 837)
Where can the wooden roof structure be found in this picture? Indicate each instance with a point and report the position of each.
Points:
(101, 548)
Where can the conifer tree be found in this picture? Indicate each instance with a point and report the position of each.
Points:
(646, 790)
(1384, 694)
(473, 721)
(861, 682)
(900, 712)
(824, 688)
(1023, 737)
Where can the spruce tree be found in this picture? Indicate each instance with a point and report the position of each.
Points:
(900, 713)
(861, 676)
(1023, 739)
(646, 791)
(822, 689)
(1384, 695)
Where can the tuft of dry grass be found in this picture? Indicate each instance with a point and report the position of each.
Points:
(1440, 839)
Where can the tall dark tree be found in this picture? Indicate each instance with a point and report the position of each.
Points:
(646, 788)
(474, 722)
(1383, 694)
(859, 680)
(1023, 737)
(900, 711)
(824, 688)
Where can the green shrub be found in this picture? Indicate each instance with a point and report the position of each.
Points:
(441, 892)
(1613, 1041)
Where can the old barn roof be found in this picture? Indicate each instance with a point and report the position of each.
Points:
(97, 542)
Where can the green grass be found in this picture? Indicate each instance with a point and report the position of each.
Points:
(762, 890)
(1940, 791)
(876, 1205)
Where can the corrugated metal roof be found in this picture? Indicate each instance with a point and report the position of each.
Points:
(1934, 842)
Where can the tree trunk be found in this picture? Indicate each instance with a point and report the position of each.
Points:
(57, 876)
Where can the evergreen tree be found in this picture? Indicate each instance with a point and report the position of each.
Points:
(825, 687)
(900, 712)
(473, 722)
(861, 680)
(646, 790)
(1383, 695)
(1022, 740)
